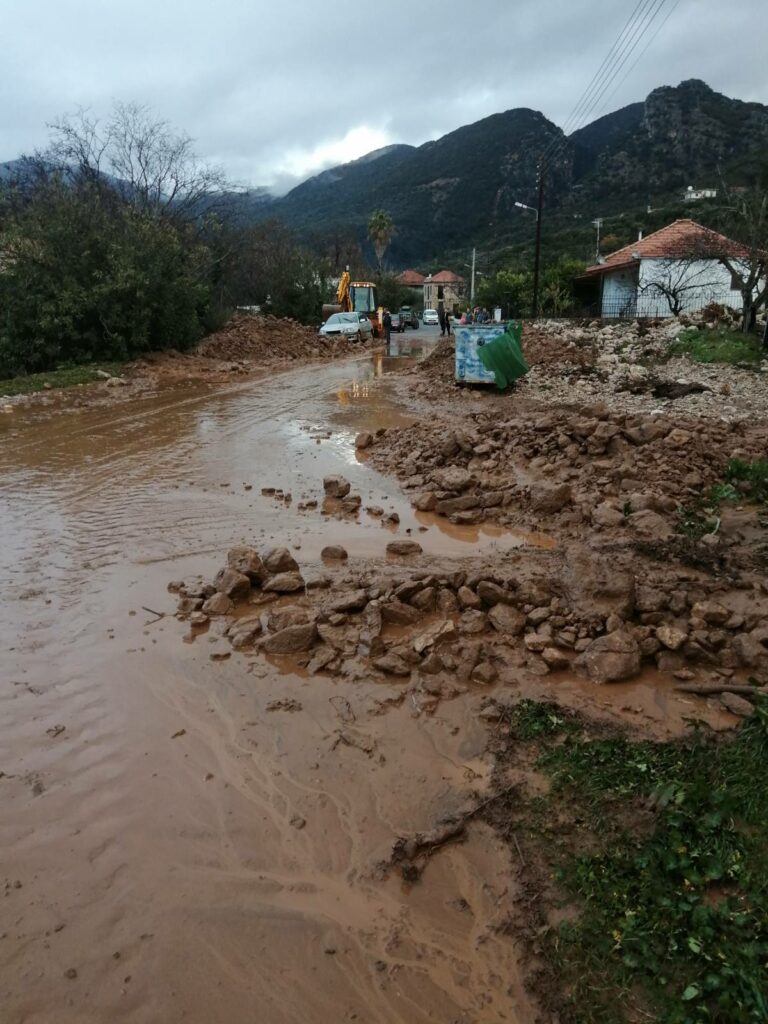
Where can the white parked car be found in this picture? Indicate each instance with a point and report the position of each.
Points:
(350, 325)
(430, 317)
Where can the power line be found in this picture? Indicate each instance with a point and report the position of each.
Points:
(640, 56)
(637, 31)
(580, 103)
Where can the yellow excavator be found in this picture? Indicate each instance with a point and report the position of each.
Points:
(356, 297)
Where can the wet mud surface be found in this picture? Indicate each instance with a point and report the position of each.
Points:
(153, 863)
(195, 840)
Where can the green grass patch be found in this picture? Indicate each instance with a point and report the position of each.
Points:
(662, 849)
(65, 377)
(754, 475)
(717, 346)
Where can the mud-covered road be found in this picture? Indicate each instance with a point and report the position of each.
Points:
(154, 861)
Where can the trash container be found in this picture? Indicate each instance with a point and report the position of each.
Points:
(489, 353)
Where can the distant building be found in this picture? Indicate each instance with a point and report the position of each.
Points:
(411, 279)
(445, 289)
(677, 269)
(692, 195)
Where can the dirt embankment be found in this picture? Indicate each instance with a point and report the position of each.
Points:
(245, 345)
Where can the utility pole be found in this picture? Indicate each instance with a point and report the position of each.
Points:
(537, 256)
(598, 223)
(472, 283)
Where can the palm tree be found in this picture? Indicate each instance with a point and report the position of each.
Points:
(381, 228)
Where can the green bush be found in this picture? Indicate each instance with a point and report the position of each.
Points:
(89, 276)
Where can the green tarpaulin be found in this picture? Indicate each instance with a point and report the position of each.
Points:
(504, 356)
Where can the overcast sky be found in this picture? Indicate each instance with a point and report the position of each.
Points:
(275, 91)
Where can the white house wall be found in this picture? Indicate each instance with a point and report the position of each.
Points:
(698, 283)
(619, 292)
(631, 292)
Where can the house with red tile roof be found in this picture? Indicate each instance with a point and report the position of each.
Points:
(411, 279)
(674, 270)
(445, 289)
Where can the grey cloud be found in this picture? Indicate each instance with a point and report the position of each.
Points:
(252, 82)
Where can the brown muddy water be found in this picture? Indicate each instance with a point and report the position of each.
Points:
(154, 859)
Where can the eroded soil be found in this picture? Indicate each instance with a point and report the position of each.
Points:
(195, 832)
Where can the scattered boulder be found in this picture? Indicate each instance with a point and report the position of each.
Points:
(247, 561)
(364, 439)
(550, 498)
(484, 672)
(279, 560)
(281, 618)
(404, 547)
(334, 553)
(399, 614)
(736, 705)
(352, 601)
(425, 502)
(555, 658)
(218, 604)
(245, 634)
(610, 658)
(292, 639)
(650, 525)
(468, 598)
(491, 593)
(453, 478)
(234, 584)
(507, 620)
(285, 583)
(336, 486)
(392, 664)
(673, 639)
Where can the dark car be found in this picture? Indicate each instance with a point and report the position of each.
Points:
(397, 325)
(409, 318)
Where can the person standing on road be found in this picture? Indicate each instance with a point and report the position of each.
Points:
(441, 318)
(387, 321)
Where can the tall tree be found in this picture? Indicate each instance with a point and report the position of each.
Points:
(381, 228)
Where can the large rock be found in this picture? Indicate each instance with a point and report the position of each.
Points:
(285, 583)
(281, 618)
(364, 439)
(351, 601)
(336, 486)
(247, 561)
(245, 633)
(218, 604)
(610, 658)
(334, 553)
(507, 620)
(491, 593)
(292, 639)
(449, 506)
(650, 526)
(425, 502)
(400, 614)
(404, 547)
(673, 639)
(232, 583)
(453, 478)
(392, 664)
(550, 498)
(279, 560)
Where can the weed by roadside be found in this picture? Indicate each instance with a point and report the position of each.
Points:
(717, 346)
(661, 851)
(66, 377)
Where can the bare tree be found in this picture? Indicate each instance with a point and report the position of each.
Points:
(749, 219)
(151, 165)
(681, 282)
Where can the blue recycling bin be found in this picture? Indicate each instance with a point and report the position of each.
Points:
(470, 337)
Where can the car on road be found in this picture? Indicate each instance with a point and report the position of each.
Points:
(348, 325)
(409, 318)
(431, 317)
(397, 325)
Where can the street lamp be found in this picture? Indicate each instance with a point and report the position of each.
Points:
(537, 256)
(524, 206)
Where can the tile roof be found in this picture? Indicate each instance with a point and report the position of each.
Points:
(679, 240)
(411, 278)
(447, 277)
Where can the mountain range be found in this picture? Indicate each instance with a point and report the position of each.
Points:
(460, 190)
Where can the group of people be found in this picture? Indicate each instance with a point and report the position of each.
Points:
(478, 315)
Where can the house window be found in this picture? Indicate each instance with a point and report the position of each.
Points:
(735, 283)
(440, 292)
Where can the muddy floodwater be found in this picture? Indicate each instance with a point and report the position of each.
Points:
(172, 850)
